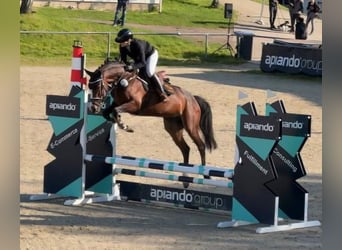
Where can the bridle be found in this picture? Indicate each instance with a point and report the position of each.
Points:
(101, 90)
(110, 86)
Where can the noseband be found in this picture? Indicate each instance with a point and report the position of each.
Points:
(101, 90)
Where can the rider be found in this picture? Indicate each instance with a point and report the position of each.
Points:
(145, 58)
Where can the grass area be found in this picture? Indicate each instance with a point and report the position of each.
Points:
(55, 49)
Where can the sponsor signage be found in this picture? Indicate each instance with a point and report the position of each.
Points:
(56, 141)
(291, 59)
(186, 197)
(260, 127)
(65, 141)
(287, 165)
(64, 106)
(253, 164)
(252, 159)
(294, 124)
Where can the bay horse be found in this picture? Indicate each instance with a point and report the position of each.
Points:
(182, 111)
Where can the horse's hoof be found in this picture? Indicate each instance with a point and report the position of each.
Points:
(129, 130)
(125, 128)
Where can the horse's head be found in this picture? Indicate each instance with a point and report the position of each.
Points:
(102, 81)
(98, 90)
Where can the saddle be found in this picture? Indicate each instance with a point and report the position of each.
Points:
(164, 79)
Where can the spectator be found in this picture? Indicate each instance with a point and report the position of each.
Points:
(214, 4)
(120, 7)
(273, 7)
(296, 8)
(313, 10)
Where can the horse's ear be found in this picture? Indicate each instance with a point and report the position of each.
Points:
(89, 73)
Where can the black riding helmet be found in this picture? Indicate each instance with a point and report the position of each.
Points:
(123, 36)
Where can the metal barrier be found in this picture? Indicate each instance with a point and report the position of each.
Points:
(109, 34)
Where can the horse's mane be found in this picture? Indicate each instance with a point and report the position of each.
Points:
(109, 64)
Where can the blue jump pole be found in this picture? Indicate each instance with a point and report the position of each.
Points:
(163, 165)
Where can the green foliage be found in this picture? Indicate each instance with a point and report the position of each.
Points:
(45, 49)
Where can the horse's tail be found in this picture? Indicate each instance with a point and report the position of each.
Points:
(206, 123)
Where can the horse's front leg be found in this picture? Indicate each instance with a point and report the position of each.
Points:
(131, 107)
(111, 114)
(122, 125)
(108, 111)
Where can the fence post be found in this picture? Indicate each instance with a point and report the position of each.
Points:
(108, 45)
(206, 45)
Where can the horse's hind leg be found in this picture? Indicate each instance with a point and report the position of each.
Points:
(174, 127)
(195, 136)
(192, 126)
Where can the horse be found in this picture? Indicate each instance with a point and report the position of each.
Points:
(130, 93)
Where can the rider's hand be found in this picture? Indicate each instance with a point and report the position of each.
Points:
(129, 68)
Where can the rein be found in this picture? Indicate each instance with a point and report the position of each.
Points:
(96, 81)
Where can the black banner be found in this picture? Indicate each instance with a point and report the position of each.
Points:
(260, 127)
(64, 106)
(295, 124)
(292, 59)
(188, 198)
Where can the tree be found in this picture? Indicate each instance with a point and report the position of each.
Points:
(26, 6)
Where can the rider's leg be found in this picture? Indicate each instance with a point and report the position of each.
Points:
(159, 87)
(151, 64)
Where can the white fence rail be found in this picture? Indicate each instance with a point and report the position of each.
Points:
(110, 34)
(99, 4)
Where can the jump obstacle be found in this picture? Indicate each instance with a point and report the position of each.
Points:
(263, 181)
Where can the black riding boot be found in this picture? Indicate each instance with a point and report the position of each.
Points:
(159, 87)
